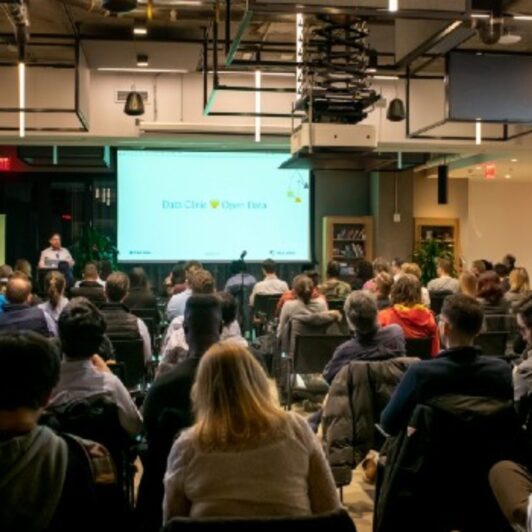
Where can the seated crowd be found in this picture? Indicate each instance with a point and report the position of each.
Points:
(206, 420)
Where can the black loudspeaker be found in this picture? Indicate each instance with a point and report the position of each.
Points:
(443, 184)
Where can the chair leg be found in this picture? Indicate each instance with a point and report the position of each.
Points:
(341, 493)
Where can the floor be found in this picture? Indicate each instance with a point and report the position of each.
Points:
(358, 499)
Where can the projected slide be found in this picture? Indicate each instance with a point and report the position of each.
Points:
(211, 207)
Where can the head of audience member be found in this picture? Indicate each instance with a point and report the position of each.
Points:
(106, 269)
(519, 281)
(509, 261)
(18, 290)
(406, 291)
(361, 313)
(333, 270)
(460, 321)
(229, 306)
(138, 279)
(192, 265)
(444, 267)
(468, 284)
(383, 285)
(314, 275)
(202, 322)
(81, 329)
(54, 285)
(90, 272)
(364, 270)
(30, 371)
(238, 266)
(380, 264)
(178, 275)
(411, 268)
(269, 268)
(55, 241)
(524, 319)
(303, 288)
(233, 401)
(117, 287)
(478, 267)
(396, 266)
(5, 273)
(501, 270)
(201, 282)
(23, 266)
(488, 264)
(490, 288)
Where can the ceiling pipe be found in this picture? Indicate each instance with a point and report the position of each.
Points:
(17, 14)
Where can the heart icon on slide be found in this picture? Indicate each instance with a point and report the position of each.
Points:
(215, 204)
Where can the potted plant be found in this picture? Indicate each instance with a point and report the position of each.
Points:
(94, 246)
(426, 256)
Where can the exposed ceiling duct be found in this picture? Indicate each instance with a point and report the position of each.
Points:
(17, 14)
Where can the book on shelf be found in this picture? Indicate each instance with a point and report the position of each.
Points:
(351, 234)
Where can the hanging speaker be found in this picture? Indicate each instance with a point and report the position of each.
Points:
(396, 110)
(134, 104)
(443, 184)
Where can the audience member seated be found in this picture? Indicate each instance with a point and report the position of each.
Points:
(167, 409)
(333, 287)
(291, 295)
(519, 287)
(176, 305)
(444, 281)
(175, 283)
(121, 324)
(5, 273)
(383, 289)
(380, 265)
(84, 375)
(509, 261)
(370, 341)
(91, 275)
(522, 373)
(491, 295)
(231, 328)
(396, 268)
(271, 285)
(44, 483)
(54, 285)
(239, 279)
(459, 369)
(244, 456)
(23, 267)
(512, 486)
(19, 314)
(363, 273)
(478, 267)
(502, 271)
(303, 304)
(91, 287)
(140, 294)
(468, 284)
(413, 269)
(106, 269)
(416, 320)
(200, 282)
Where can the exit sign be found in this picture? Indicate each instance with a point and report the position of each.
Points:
(5, 164)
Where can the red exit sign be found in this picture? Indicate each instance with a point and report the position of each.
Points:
(5, 164)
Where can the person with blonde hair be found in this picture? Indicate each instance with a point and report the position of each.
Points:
(468, 284)
(244, 456)
(54, 285)
(412, 268)
(519, 286)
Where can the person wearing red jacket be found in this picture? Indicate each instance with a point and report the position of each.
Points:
(416, 320)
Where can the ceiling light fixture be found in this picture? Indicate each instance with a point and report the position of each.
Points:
(396, 110)
(22, 98)
(140, 30)
(478, 132)
(523, 17)
(508, 176)
(142, 60)
(143, 70)
(393, 5)
(300, 36)
(384, 77)
(480, 15)
(513, 160)
(257, 105)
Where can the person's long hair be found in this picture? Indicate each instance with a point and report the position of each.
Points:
(303, 288)
(233, 401)
(519, 281)
(55, 287)
(490, 288)
(468, 284)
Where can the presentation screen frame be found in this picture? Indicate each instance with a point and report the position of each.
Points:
(311, 231)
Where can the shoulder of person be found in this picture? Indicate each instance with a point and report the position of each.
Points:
(300, 427)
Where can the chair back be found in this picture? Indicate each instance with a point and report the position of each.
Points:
(151, 318)
(265, 305)
(419, 347)
(492, 343)
(131, 354)
(313, 352)
(500, 323)
(336, 304)
(437, 297)
(339, 521)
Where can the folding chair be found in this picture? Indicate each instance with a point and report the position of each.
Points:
(492, 343)
(419, 347)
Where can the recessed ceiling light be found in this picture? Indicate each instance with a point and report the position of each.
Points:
(140, 30)
(143, 70)
(393, 5)
(522, 17)
(142, 60)
(513, 160)
(508, 176)
(480, 15)
(478, 168)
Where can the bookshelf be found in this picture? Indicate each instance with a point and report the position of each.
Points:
(347, 239)
(444, 230)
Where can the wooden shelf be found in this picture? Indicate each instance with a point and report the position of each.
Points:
(451, 226)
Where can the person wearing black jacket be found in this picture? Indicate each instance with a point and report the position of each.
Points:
(458, 369)
(168, 409)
